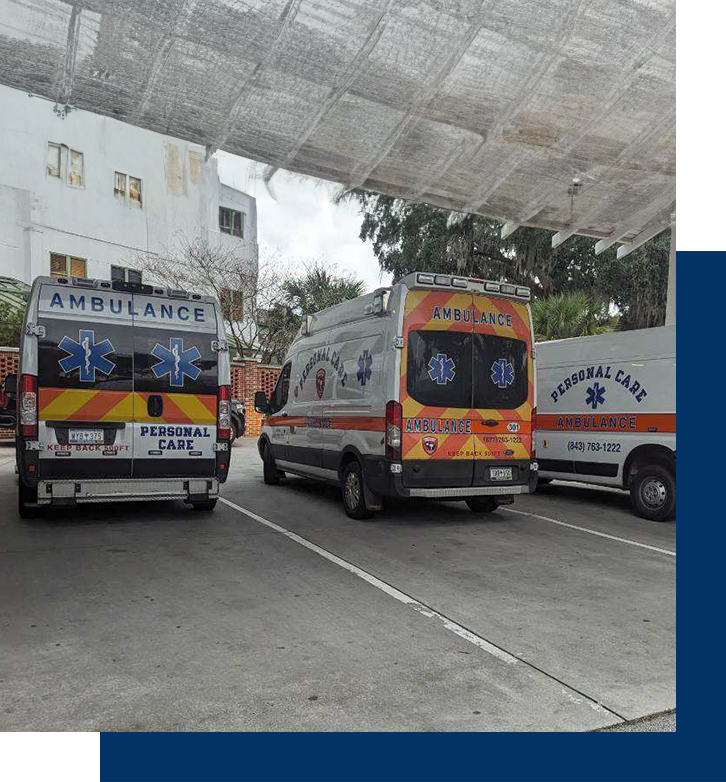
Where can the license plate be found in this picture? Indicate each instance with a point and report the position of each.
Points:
(500, 473)
(83, 436)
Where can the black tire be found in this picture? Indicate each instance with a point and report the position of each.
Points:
(233, 435)
(653, 492)
(270, 474)
(482, 504)
(353, 493)
(27, 501)
(205, 505)
(543, 481)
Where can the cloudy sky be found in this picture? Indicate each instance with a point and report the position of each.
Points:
(301, 220)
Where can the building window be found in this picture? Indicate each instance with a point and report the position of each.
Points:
(125, 275)
(67, 266)
(232, 303)
(64, 163)
(134, 189)
(231, 222)
(75, 169)
(53, 161)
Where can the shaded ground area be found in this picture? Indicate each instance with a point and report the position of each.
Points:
(154, 617)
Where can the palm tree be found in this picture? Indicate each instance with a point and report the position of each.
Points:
(571, 315)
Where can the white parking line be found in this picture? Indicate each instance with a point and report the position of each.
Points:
(402, 597)
(592, 532)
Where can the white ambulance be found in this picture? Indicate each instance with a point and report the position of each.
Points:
(123, 394)
(607, 414)
(423, 389)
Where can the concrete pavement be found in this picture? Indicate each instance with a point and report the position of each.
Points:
(154, 617)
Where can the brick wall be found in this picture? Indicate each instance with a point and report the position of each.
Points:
(248, 377)
(8, 364)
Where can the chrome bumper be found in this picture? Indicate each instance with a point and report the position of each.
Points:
(125, 489)
(469, 491)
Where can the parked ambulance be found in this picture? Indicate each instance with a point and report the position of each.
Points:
(607, 414)
(123, 394)
(423, 389)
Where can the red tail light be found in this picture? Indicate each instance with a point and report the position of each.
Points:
(29, 406)
(3, 397)
(534, 428)
(394, 426)
(224, 420)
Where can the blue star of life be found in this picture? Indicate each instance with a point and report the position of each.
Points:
(365, 362)
(86, 356)
(176, 362)
(502, 373)
(442, 369)
(595, 396)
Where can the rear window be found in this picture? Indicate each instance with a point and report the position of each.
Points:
(500, 377)
(439, 368)
(440, 364)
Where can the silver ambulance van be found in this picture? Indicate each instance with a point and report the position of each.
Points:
(423, 389)
(123, 394)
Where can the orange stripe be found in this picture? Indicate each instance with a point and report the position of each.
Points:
(47, 395)
(98, 405)
(608, 422)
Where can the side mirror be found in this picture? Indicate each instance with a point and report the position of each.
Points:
(261, 404)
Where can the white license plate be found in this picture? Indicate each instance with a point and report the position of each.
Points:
(83, 436)
(500, 473)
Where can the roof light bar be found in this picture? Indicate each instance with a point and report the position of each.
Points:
(442, 279)
(523, 292)
(508, 289)
(425, 279)
(459, 282)
(491, 286)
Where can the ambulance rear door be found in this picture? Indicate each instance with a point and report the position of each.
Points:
(85, 382)
(175, 387)
(503, 390)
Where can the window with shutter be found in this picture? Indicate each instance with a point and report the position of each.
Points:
(58, 265)
(120, 187)
(53, 161)
(78, 267)
(134, 191)
(75, 169)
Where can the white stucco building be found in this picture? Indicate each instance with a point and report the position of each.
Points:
(85, 195)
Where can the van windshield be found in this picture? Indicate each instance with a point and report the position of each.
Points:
(460, 369)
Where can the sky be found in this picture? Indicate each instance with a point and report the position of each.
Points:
(301, 220)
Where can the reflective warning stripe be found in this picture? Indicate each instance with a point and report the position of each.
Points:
(80, 404)
(664, 423)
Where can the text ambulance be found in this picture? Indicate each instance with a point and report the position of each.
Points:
(424, 389)
(123, 394)
(607, 414)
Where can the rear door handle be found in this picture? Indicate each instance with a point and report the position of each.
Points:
(155, 405)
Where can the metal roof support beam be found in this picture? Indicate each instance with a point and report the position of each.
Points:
(508, 229)
(626, 249)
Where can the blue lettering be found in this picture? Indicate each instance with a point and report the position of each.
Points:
(149, 310)
(113, 309)
(56, 301)
(183, 317)
(167, 311)
(79, 302)
(199, 314)
(96, 303)
(447, 313)
(144, 430)
(436, 315)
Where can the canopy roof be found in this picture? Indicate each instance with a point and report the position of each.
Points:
(552, 113)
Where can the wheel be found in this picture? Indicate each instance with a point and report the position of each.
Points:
(482, 504)
(269, 471)
(653, 492)
(353, 494)
(27, 501)
(205, 504)
(233, 434)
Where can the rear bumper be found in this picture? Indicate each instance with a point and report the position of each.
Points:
(384, 478)
(69, 492)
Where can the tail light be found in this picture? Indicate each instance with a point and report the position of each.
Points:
(534, 431)
(29, 406)
(224, 420)
(394, 425)
(3, 397)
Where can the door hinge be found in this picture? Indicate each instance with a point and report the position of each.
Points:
(34, 330)
(220, 345)
(220, 446)
(398, 342)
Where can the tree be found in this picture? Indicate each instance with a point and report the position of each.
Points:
(11, 324)
(262, 304)
(570, 315)
(409, 236)
(248, 291)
